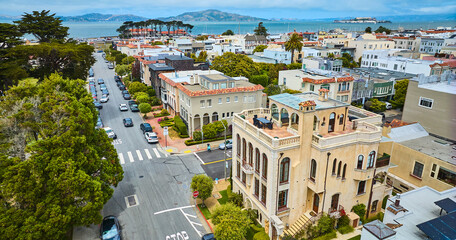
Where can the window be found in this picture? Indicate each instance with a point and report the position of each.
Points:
(434, 167)
(202, 103)
(334, 167)
(244, 177)
(374, 206)
(257, 160)
(223, 115)
(220, 100)
(360, 162)
(231, 84)
(284, 170)
(245, 98)
(263, 193)
(250, 154)
(235, 98)
(227, 99)
(325, 86)
(265, 166)
(257, 187)
(312, 88)
(284, 81)
(447, 176)
(418, 169)
(303, 85)
(371, 159)
(238, 169)
(313, 170)
(343, 171)
(244, 151)
(238, 146)
(209, 102)
(341, 119)
(223, 85)
(283, 195)
(426, 102)
(227, 114)
(339, 168)
(361, 187)
(215, 86)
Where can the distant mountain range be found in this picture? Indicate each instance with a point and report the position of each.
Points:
(212, 15)
(98, 17)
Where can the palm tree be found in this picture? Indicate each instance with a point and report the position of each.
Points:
(293, 44)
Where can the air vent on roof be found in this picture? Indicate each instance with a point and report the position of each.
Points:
(441, 142)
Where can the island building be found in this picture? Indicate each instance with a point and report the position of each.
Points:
(303, 156)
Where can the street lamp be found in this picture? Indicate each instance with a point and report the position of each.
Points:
(224, 148)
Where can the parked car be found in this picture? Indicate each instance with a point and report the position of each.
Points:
(99, 123)
(91, 73)
(103, 86)
(128, 122)
(122, 87)
(97, 104)
(105, 92)
(104, 99)
(127, 96)
(209, 236)
(388, 105)
(119, 84)
(131, 102)
(100, 81)
(145, 127)
(117, 78)
(110, 132)
(134, 108)
(91, 79)
(123, 107)
(151, 137)
(110, 229)
(110, 66)
(125, 92)
(228, 144)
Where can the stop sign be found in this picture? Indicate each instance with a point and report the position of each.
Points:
(195, 194)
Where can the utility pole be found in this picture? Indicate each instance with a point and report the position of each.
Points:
(224, 148)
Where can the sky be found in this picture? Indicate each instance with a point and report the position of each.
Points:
(300, 9)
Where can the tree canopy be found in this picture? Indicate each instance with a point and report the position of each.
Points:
(261, 30)
(231, 222)
(368, 30)
(56, 169)
(260, 48)
(228, 32)
(203, 184)
(44, 26)
(294, 44)
(9, 36)
(235, 65)
(382, 29)
(400, 93)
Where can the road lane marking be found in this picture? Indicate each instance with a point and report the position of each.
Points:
(172, 209)
(130, 156)
(199, 224)
(156, 152)
(148, 153)
(139, 155)
(217, 161)
(196, 155)
(190, 215)
(191, 223)
(122, 160)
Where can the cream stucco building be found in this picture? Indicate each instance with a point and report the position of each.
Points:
(312, 160)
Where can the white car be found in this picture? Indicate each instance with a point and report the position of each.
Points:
(104, 98)
(110, 132)
(151, 137)
(123, 107)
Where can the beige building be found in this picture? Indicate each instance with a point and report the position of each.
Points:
(421, 159)
(431, 103)
(361, 45)
(202, 97)
(340, 86)
(410, 43)
(312, 160)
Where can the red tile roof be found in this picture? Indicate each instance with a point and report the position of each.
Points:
(307, 103)
(327, 80)
(323, 90)
(397, 123)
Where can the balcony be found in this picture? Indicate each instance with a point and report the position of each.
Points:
(247, 169)
(275, 138)
(362, 174)
(383, 163)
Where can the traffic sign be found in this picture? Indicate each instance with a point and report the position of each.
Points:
(165, 131)
(195, 194)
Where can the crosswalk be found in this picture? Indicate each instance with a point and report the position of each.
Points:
(130, 156)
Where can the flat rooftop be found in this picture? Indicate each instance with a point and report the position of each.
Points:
(378, 73)
(177, 57)
(293, 100)
(442, 86)
(216, 77)
(238, 83)
(184, 76)
(160, 67)
(434, 147)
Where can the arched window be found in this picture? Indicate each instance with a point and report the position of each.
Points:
(338, 168)
(343, 171)
(244, 151)
(332, 120)
(265, 166)
(313, 170)
(257, 160)
(360, 162)
(284, 170)
(250, 154)
(315, 123)
(341, 119)
(371, 159)
(238, 145)
(334, 166)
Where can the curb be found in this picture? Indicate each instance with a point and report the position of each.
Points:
(204, 218)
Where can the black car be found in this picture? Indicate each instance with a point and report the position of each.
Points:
(145, 127)
(125, 92)
(128, 122)
(117, 78)
(131, 102)
(98, 105)
(122, 87)
(119, 84)
(209, 236)
(110, 229)
(127, 96)
(134, 108)
(100, 81)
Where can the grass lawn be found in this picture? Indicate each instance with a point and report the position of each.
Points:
(172, 133)
(355, 238)
(205, 211)
(224, 198)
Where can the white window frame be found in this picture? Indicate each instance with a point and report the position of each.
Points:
(228, 99)
(209, 102)
(426, 99)
(203, 103)
(220, 101)
(236, 99)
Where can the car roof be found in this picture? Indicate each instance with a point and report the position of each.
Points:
(146, 124)
(107, 128)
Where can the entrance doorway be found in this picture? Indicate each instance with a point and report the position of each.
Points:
(335, 202)
(316, 203)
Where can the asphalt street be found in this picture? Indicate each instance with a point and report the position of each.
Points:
(213, 162)
(153, 201)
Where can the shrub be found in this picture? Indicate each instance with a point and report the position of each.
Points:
(327, 236)
(154, 101)
(194, 141)
(343, 221)
(360, 210)
(142, 98)
(228, 190)
(378, 216)
(180, 125)
(346, 229)
(137, 87)
(236, 199)
(196, 136)
(325, 224)
(385, 201)
(261, 235)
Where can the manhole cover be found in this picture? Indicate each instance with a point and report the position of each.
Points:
(131, 201)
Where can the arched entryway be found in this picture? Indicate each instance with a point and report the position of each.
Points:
(196, 122)
(294, 121)
(332, 122)
(335, 201)
(316, 203)
(275, 112)
(206, 119)
(284, 117)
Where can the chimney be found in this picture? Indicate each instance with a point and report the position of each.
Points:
(323, 94)
(192, 80)
(398, 200)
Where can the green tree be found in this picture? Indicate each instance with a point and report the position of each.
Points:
(145, 108)
(231, 222)
(44, 26)
(235, 65)
(261, 235)
(202, 57)
(382, 29)
(331, 55)
(10, 36)
(294, 44)
(119, 57)
(209, 131)
(203, 184)
(360, 210)
(294, 66)
(228, 32)
(57, 170)
(128, 60)
(260, 48)
(122, 70)
(143, 98)
(263, 80)
(290, 91)
(261, 30)
(368, 30)
(400, 92)
(236, 199)
(202, 37)
(272, 89)
(377, 106)
(137, 87)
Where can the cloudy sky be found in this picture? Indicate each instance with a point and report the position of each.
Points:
(302, 9)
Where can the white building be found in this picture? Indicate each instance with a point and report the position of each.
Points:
(183, 44)
(319, 52)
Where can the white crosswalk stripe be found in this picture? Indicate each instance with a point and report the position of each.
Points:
(121, 158)
(130, 156)
(148, 153)
(139, 155)
(156, 152)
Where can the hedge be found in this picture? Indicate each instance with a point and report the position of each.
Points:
(166, 124)
(328, 236)
(345, 229)
(180, 135)
(193, 142)
(180, 125)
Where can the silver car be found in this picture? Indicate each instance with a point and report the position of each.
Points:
(151, 137)
(104, 98)
(123, 107)
(110, 132)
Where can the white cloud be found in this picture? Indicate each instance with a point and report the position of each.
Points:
(436, 10)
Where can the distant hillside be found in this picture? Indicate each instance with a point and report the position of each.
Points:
(98, 17)
(213, 16)
(9, 18)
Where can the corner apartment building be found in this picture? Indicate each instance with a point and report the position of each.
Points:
(327, 64)
(251, 41)
(430, 102)
(319, 52)
(410, 43)
(202, 97)
(312, 160)
(361, 45)
(339, 86)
